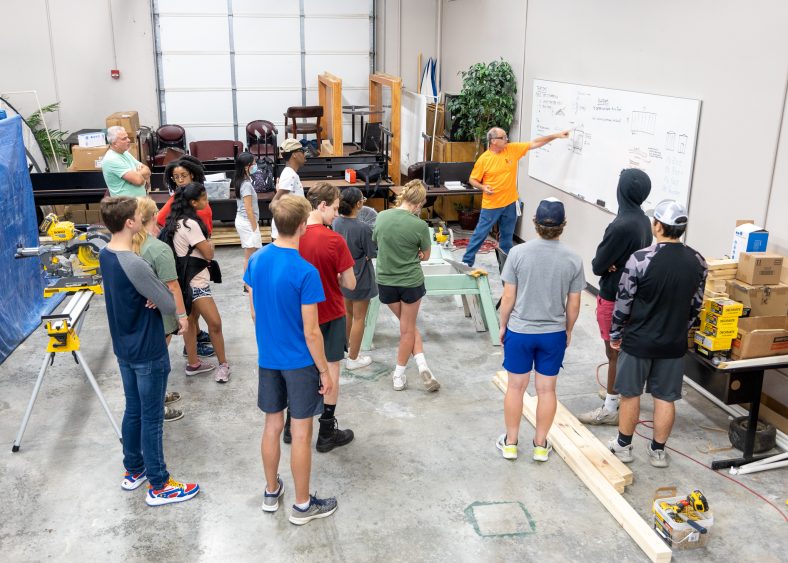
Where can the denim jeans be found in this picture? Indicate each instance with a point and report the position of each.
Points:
(506, 217)
(145, 384)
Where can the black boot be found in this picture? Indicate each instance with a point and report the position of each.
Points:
(330, 436)
(286, 437)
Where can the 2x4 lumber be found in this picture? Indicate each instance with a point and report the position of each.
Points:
(722, 264)
(637, 528)
(585, 446)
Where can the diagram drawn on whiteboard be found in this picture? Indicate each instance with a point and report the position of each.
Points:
(612, 130)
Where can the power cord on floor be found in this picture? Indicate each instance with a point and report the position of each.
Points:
(649, 424)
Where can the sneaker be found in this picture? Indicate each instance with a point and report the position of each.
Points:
(508, 451)
(399, 381)
(599, 416)
(330, 436)
(172, 491)
(318, 508)
(430, 383)
(204, 350)
(223, 373)
(624, 453)
(203, 337)
(359, 362)
(541, 453)
(172, 397)
(658, 458)
(132, 481)
(202, 367)
(271, 500)
(171, 414)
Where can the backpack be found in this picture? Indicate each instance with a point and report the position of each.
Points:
(263, 179)
(372, 173)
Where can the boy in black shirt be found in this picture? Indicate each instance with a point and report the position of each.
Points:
(659, 297)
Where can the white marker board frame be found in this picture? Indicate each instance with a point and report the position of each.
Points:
(611, 130)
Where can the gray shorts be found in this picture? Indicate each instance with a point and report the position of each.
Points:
(662, 377)
(334, 339)
(296, 389)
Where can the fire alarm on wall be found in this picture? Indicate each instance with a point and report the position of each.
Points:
(114, 73)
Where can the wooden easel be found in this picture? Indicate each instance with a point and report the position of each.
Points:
(377, 82)
(329, 91)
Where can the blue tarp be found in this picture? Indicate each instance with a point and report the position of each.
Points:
(21, 294)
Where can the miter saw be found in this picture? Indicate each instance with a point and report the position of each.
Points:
(68, 243)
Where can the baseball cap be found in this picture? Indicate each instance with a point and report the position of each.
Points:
(291, 145)
(550, 212)
(669, 212)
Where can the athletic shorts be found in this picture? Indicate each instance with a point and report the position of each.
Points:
(662, 377)
(542, 352)
(334, 339)
(389, 294)
(249, 238)
(604, 316)
(200, 292)
(296, 389)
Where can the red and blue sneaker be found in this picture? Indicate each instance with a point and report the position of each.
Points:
(133, 481)
(172, 491)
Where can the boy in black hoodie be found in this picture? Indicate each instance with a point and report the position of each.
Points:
(628, 232)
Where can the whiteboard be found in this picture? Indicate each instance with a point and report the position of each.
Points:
(611, 130)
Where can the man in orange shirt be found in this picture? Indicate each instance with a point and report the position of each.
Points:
(495, 173)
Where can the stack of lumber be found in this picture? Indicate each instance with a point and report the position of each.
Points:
(600, 470)
(223, 236)
(720, 271)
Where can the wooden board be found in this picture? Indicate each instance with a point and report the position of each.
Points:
(637, 528)
(722, 264)
(614, 470)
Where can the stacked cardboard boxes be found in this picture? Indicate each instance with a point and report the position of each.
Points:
(757, 285)
(719, 320)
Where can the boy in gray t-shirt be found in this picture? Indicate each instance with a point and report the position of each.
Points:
(540, 304)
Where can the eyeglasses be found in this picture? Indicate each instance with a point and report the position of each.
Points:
(181, 176)
(504, 138)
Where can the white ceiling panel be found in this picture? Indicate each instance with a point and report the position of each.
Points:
(194, 34)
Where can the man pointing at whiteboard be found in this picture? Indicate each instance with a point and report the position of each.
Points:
(495, 173)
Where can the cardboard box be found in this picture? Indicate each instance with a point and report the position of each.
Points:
(760, 268)
(94, 206)
(718, 320)
(759, 337)
(723, 307)
(713, 343)
(784, 276)
(718, 331)
(93, 217)
(87, 158)
(761, 300)
(748, 238)
(92, 139)
(129, 120)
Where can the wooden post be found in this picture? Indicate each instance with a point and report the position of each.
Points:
(376, 83)
(329, 90)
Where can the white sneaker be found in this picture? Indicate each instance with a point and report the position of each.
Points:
(508, 451)
(599, 416)
(359, 362)
(657, 458)
(399, 381)
(624, 453)
(430, 383)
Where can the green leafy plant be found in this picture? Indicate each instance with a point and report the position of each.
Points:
(487, 99)
(36, 124)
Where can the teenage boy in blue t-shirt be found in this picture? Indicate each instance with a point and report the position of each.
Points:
(137, 332)
(284, 292)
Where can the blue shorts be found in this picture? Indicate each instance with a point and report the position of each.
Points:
(542, 352)
(296, 389)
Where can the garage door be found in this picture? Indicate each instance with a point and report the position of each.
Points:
(224, 63)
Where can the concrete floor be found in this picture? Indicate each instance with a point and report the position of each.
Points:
(423, 480)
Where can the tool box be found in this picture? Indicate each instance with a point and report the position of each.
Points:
(673, 527)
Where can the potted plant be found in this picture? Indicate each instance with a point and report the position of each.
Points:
(487, 99)
(37, 126)
(467, 216)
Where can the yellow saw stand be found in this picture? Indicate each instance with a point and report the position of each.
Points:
(63, 329)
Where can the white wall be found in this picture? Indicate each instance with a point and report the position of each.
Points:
(74, 66)
(733, 58)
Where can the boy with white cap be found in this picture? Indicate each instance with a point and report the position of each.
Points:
(289, 182)
(540, 304)
(659, 297)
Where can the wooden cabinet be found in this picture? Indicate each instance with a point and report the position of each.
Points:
(448, 151)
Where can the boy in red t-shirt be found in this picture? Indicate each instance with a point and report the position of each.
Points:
(328, 252)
